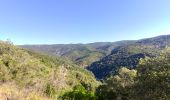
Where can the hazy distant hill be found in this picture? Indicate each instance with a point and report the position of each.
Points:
(81, 54)
(25, 74)
(104, 58)
(129, 55)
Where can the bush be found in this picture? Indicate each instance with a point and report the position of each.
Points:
(79, 93)
(50, 91)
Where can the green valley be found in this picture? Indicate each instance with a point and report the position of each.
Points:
(124, 70)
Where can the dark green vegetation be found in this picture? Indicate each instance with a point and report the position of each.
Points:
(104, 59)
(129, 70)
(129, 55)
(79, 93)
(82, 54)
(150, 81)
(46, 75)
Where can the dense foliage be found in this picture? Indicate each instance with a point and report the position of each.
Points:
(129, 55)
(118, 86)
(79, 93)
(105, 58)
(45, 75)
(110, 64)
(151, 81)
(137, 71)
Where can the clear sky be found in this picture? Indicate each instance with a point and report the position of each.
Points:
(82, 21)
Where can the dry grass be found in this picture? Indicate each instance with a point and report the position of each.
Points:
(8, 91)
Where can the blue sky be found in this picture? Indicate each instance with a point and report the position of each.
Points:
(82, 21)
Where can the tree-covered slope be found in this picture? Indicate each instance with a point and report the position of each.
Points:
(81, 54)
(38, 75)
(105, 58)
(129, 55)
(150, 81)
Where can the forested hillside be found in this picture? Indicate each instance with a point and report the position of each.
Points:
(129, 55)
(150, 81)
(82, 54)
(25, 75)
(136, 70)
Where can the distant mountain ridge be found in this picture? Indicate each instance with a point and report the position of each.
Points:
(25, 74)
(81, 54)
(129, 55)
(105, 58)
